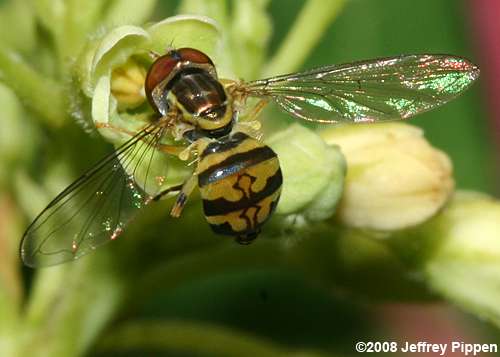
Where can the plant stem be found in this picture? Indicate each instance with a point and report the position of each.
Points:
(308, 28)
(41, 94)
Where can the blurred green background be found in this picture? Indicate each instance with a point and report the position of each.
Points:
(281, 306)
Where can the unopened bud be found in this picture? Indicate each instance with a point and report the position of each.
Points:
(395, 178)
(464, 263)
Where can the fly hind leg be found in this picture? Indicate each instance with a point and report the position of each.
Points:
(183, 196)
(188, 186)
(184, 190)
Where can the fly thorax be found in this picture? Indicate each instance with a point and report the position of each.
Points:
(202, 101)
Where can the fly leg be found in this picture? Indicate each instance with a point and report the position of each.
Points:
(256, 110)
(101, 125)
(189, 185)
(251, 128)
(239, 93)
(185, 190)
(182, 197)
(175, 188)
(250, 125)
(175, 150)
(154, 55)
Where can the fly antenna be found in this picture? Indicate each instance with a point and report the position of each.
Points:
(170, 46)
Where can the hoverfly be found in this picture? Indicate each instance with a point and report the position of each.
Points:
(238, 176)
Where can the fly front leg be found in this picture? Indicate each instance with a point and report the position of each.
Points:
(175, 150)
(239, 93)
(256, 110)
(101, 125)
(154, 55)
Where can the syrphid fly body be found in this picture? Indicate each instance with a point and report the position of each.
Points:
(238, 176)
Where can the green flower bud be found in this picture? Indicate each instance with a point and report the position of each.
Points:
(465, 261)
(395, 178)
(313, 173)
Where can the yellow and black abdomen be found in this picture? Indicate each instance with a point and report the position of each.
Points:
(240, 183)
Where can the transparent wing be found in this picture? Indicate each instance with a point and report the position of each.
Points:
(369, 91)
(96, 207)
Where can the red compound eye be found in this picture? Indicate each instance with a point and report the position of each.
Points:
(192, 55)
(158, 71)
(163, 66)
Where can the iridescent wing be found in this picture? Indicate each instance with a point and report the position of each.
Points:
(96, 207)
(369, 91)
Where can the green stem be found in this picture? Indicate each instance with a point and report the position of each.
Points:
(41, 94)
(205, 339)
(308, 28)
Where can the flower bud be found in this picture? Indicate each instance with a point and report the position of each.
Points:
(395, 178)
(313, 173)
(464, 264)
